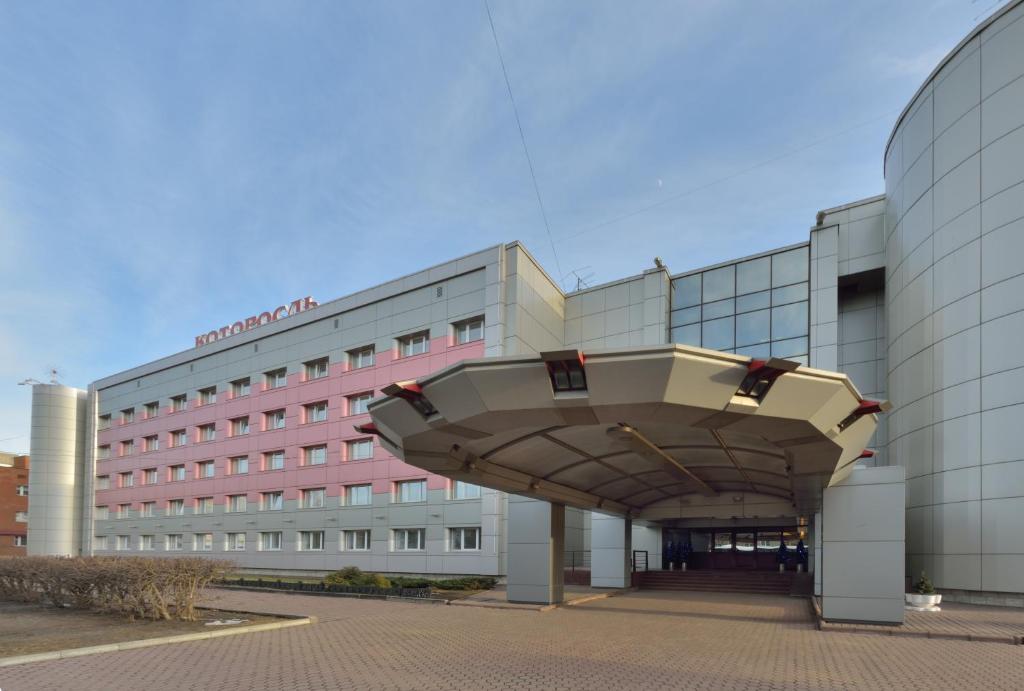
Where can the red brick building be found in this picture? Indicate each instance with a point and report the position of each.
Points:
(13, 504)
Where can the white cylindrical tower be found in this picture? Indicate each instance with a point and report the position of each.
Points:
(59, 425)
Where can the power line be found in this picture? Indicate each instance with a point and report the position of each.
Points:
(522, 138)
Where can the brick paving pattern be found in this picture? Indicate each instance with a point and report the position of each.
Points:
(955, 620)
(644, 640)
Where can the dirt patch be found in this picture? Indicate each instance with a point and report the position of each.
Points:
(28, 628)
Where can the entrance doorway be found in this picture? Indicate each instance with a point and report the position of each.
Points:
(732, 548)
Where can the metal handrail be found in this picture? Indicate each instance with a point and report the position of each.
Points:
(640, 560)
(577, 559)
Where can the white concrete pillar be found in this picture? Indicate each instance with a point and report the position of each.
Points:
(611, 550)
(536, 549)
(814, 559)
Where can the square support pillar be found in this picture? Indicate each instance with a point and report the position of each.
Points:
(611, 551)
(536, 546)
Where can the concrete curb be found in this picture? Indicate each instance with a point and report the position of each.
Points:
(160, 640)
(358, 596)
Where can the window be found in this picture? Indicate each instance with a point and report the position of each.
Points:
(567, 375)
(20, 541)
(355, 540)
(146, 543)
(359, 449)
(273, 420)
(207, 432)
(205, 469)
(127, 416)
(20, 516)
(124, 510)
(102, 482)
(99, 542)
(469, 330)
(723, 542)
(102, 513)
(314, 498)
(148, 509)
(464, 490)
(311, 540)
(315, 412)
(175, 473)
(128, 447)
(151, 443)
(359, 495)
(314, 455)
(357, 405)
(126, 479)
(202, 542)
(463, 539)
(273, 460)
(103, 421)
(208, 395)
(173, 542)
(178, 438)
(103, 452)
(204, 505)
(316, 369)
(176, 507)
(271, 501)
(152, 410)
(270, 542)
(361, 357)
(179, 403)
(415, 344)
(150, 476)
(240, 387)
(234, 542)
(238, 465)
(275, 379)
(236, 503)
(410, 491)
(240, 426)
(124, 543)
(405, 540)
(21, 490)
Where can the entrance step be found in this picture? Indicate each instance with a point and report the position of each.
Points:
(761, 582)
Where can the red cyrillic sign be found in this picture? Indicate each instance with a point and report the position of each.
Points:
(300, 305)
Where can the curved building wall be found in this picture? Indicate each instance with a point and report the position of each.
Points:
(954, 177)
(59, 426)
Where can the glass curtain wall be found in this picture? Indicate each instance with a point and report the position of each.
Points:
(758, 307)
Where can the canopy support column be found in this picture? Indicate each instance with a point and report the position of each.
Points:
(611, 551)
(536, 551)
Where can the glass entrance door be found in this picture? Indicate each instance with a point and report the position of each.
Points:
(728, 548)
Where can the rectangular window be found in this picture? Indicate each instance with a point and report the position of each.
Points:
(173, 542)
(128, 447)
(207, 432)
(359, 449)
(178, 438)
(271, 501)
(236, 503)
(311, 540)
(406, 540)
(315, 412)
(127, 416)
(273, 460)
(175, 473)
(314, 498)
(465, 490)
(208, 395)
(463, 539)
(410, 491)
(102, 482)
(273, 420)
(151, 443)
(270, 542)
(179, 403)
(240, 426)
(316, 369)
(21, 490)
(361, 357)
(103, 452)
(204, 505)
(102, 513)
(103, 421)
(355, 540)
(146, 543)
(20, 541)
(314, 455)
(359, 495)
(150, 476)
(202, 542)
(239, 465)
(126, 479)
(124, 543)
(205, 469)
(99, 542)
(124, 510)
(234, 542)
(152, 410)
(469, 330)
(240, 387)
(148, 509)
(357, 405)
(414, 344)
(175, 507)
(20, 516)
(275, 379)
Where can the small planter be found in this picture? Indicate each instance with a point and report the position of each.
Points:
(923, 603)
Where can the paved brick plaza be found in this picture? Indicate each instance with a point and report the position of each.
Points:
(640, 640)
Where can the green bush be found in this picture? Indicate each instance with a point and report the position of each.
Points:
(354, 576)
(467, 583)
(924, 586)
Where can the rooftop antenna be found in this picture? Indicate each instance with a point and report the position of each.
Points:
(584, 280)
(54, 379)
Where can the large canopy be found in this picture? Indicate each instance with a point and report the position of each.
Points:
(621, 430)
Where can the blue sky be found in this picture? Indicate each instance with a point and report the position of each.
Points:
(168, 167)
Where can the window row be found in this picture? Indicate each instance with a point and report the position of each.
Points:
(463, 539)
